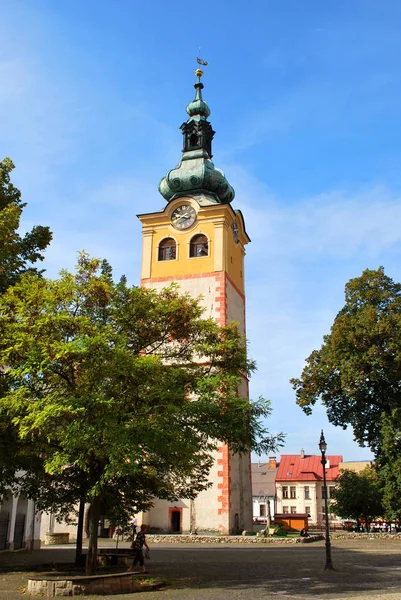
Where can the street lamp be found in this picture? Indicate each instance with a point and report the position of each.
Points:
(323, 448)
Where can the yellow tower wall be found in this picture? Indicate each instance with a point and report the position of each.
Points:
(218, 279)
(215, 222)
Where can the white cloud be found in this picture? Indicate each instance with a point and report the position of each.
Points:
(336, 224)
(102, 221)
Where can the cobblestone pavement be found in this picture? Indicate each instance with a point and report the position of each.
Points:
(368, 569)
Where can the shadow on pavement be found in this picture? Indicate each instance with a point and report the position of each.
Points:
(292, 570)
(362, 570)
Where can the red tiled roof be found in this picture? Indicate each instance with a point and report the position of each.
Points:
(293, 467)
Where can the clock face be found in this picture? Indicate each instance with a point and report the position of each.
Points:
(183, 216)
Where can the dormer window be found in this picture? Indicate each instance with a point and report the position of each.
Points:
(199, 246)
(167, 249)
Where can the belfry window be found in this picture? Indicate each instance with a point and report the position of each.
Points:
(199, 246)
(167, 249)
(193, 141)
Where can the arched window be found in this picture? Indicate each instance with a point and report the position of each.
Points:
(199, 246)
(167, 249)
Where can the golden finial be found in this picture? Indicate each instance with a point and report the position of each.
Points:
(199, 73)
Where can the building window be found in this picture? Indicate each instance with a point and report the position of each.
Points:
(199, 246)
(262, 510)
(285, 510)
(167, 249)
(293, 510)
(293, 491)
(332, 491)
(307, 492)
(323, 493)
(307, 510)
(285, 492)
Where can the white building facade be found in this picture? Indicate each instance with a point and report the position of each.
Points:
(300, 488)
(19, 523)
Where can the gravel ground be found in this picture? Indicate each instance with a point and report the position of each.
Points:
(368, 569)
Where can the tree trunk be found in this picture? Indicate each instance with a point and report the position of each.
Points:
(80, 529)
(91, 559)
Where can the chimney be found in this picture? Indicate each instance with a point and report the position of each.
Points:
(272, 462)
(302, 453)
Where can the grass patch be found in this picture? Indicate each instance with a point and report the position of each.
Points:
(142, 579)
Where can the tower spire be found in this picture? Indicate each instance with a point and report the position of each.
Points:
(198, 108)
(196, 175)
(197, 131)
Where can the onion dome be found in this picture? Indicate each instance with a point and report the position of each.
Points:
(198, 109)
(196, 174)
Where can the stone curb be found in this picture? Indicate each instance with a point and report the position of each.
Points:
(229, 539)
(354, 535)
(110, 584)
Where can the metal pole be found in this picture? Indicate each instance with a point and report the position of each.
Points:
(329, 564)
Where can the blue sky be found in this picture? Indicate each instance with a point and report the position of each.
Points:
(305, 101)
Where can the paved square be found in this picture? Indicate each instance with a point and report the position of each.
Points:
(368, 568)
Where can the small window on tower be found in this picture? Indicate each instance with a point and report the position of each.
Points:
(199, 246)
(193, 140)
(167, 249)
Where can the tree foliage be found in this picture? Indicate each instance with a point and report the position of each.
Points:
(388, 464)
(123, 392)
(357, 371)
(358, 496)
(17, 254)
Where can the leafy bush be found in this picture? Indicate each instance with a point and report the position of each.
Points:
(279, 530)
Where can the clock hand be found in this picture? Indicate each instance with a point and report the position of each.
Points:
(179, 219)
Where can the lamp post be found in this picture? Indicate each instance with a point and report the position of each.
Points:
(323, 448)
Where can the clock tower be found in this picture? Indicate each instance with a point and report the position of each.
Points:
(198, 241)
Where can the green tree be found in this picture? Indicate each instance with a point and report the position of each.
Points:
(357, 371)
(121, 390)
(358, 496)
(388, 464)
(17, 254)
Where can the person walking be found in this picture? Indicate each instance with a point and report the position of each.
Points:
(134, 526)
(137, 545)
